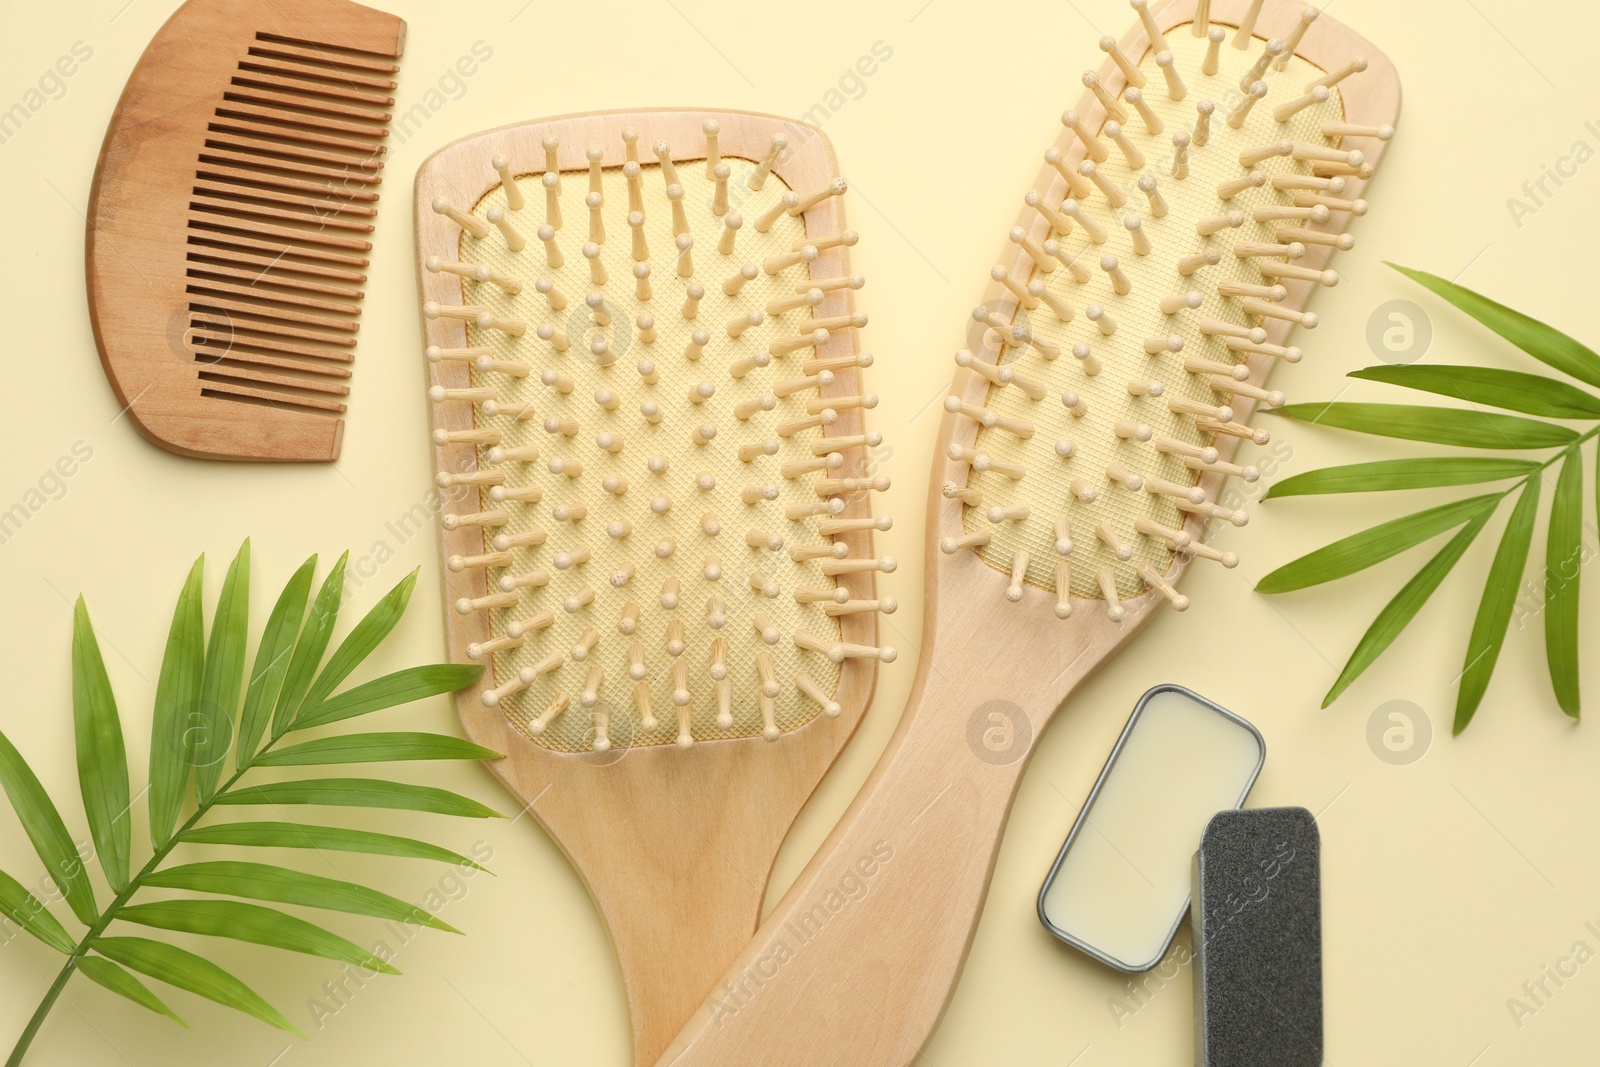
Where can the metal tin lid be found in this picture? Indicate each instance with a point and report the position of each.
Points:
(1120, 887)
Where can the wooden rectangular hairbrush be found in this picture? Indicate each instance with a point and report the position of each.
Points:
(1190, 205)
(228, 221)
(649, 436)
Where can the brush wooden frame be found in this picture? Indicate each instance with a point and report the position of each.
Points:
(871, 987)
(674, 845)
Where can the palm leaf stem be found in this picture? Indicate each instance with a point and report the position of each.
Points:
(86, 943)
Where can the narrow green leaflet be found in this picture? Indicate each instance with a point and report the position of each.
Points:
(1563, 562)
(1494, 610)
(272, 661)
(177, 691)
(360, 642)
(1544, 343)
(101, 970)
(1360, 551)
(1531, 394)
(29, 912)
(361, 793)
(1441, 426)
(392, 690)
(207, 704)
(309, 649)
(211, 731)
(102, 760)
(322, 838)
(1391, 474)
(252, 923)
(375, 748)
(1534, 398)
(1398, 613)
(48, 833)
(260, 881)
(190, 972)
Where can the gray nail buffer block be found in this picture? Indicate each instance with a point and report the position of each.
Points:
(1256, 918)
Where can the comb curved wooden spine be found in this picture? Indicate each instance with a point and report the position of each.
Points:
(675, 844)
(229, 223)
(864, 980)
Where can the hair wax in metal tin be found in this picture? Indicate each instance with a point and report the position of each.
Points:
(1120, 886)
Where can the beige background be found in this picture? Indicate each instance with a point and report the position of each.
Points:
(1448, 883)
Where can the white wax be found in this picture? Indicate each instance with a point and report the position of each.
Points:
(1125, 881)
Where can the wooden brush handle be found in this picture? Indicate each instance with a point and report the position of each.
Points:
(675, 847)
(670, 945)
(859, 959)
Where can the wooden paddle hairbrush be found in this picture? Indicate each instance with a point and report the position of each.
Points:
(227, 223)
(1163, 254)
(648, 430)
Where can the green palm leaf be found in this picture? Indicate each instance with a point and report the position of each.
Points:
(29, 912)
(252, 923)
(102, 760)
(260, 881)
(309, 649)
(361, 793)
(44, 827)
(272, 661)
(1482, 387)
(1544, 343)
(362, 640)
(101, 970)
(375, 748)
(1531, 394)
(323, 839)
(198, 694)
(1441, 426)
(211, 735)
(1494, 610)
(1360, 551)
(187, 971)
(392, 690)
(1563, 564)
(1391, 474)
(177, 691)
(1398, 613)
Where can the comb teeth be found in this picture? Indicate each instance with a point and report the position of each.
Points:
(1155, 222)
(284, 194)
(230, 222)
(665, 405)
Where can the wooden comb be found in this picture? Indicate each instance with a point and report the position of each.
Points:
(1163, 254)
(648, 429)
(228, 223)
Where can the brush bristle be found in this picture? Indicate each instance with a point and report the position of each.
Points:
(671, 438)
(1127, 332)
